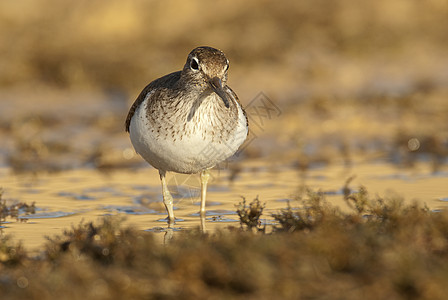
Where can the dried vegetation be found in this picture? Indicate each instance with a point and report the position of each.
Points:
(379, 249)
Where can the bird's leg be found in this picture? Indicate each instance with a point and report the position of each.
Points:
(203, 228)
(205, 175)
(167, 198)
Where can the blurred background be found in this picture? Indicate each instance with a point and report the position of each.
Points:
(348, 80)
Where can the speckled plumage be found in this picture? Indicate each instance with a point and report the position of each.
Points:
(188, 121)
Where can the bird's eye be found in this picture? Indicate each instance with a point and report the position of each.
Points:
(194, 64)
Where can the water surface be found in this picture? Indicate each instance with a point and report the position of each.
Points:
(66, 198)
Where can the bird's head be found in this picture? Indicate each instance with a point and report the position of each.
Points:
(207, 68)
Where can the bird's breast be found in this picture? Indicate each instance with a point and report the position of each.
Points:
(178, 136)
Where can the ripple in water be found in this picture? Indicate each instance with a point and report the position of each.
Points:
(76, 196)
(221, 219)
(130, 210)
(47, 215)
(217, 212)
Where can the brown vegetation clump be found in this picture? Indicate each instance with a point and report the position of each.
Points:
(381, 249)
(250, 214)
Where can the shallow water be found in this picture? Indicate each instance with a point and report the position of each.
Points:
(66, 198)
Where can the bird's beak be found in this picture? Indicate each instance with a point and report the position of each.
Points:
(216, 84)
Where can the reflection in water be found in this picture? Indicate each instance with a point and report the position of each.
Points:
(65, 199)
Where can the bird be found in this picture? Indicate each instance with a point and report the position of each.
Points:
(188, 121)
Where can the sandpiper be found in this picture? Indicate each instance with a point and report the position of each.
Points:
(188, 121)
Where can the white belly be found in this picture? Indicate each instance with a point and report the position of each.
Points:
(190, 154)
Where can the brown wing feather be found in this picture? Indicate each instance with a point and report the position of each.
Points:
(234, 96)
(167, 82)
